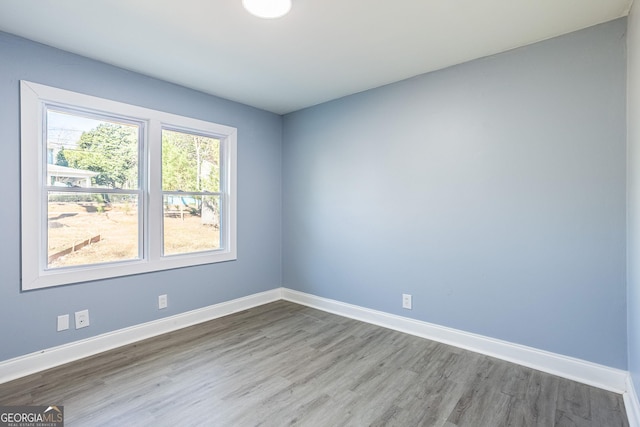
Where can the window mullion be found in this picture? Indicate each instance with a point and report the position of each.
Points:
(154, 190)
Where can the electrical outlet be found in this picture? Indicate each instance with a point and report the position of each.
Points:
(63, 322)
(406, 301)
(162, 301)
(82, 319)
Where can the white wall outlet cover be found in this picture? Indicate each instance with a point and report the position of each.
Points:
(82, 319)
(162, 301)
(63, 322)
(406, 301)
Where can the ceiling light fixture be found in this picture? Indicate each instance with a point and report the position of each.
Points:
(268, 9)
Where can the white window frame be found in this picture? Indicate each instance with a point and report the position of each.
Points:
(34, 98)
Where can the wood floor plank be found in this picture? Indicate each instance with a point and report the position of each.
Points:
(607, 408)
(573, 404)
(481, 407)
(538, 405)
(284, 364)
(427, 402)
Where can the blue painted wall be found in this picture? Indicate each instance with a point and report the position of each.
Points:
(493, 191)
(633, 214)
(29, 319)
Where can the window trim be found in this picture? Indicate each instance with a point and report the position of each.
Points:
(34, 97)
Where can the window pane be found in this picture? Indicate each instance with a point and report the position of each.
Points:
(91, 228)
(190, 162)
(191, 223)
(90, 152)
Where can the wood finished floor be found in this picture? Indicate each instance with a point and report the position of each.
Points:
(284, 364)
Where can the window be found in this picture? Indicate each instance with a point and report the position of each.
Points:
(190, 183)
(111, 189)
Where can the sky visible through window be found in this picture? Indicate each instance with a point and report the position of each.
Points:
(64, 129)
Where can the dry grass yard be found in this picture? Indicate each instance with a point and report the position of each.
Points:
(117, 226)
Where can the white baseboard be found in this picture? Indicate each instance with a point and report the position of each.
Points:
(49, 358)
(575, 369)
(631, 404)
(567, 367)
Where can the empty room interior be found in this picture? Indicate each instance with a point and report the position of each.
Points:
(324, 214)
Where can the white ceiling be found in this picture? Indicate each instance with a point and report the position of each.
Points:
(322, 50)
